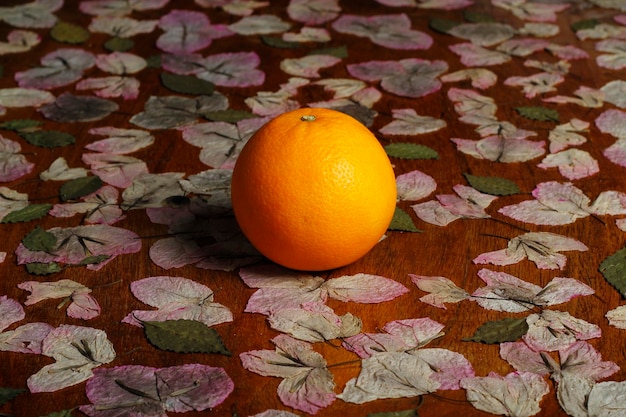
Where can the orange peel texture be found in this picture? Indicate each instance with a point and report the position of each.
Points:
(313, 189)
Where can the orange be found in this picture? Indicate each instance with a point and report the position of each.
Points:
(313, 189)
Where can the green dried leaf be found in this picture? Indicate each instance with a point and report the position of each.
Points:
(41, 268)
(613, 268)
(28, 213)
(187, 84)
(478, 17)
(67, 32)
(184, 336)
(278, 42)
(492, 185)
(7, 394)
(410, 151)
(584, 24)
(499, 331)
(402, 222)
(21, 125)
(79, 187)
(154, 61)
(230, 116)
(95, 259)
(337, 52)
(539, 113)
(48, 138)
(39, 240)
(405, 413)
(442, 25)
(117, 44)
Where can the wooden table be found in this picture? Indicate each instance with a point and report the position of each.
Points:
(434, 251)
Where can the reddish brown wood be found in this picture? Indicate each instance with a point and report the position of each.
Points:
(446, 251)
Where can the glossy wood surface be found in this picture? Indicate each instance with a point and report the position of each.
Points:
(436, 251)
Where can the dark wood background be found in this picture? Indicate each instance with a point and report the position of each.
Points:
(446, 251)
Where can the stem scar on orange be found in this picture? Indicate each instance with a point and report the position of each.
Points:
(313, 189)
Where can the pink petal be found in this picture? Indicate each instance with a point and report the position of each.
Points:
(24, 97)
(481, 78)
(536, 84)
(561, 290)
(173, 252)
(192, 387)
(554, 330)
(616, 153)
(399, 336)
(583, 360)
(374, 70)
(468, 203)
(420, 74)
(516, 394)
(562, 197)
(612, 121)
(573, 164)
(496, 148)
(280, 288)
(434, 212)
(11, 311)
(313, 12)
(524, 359)
(27, 338)
(391, 31)
(120, 63)
(13, 164)
(308, 66)
(188, 31)
(310, 396)
(59, 68)
(114, 8)
(567, 52)
(307, 384)
(106, 394)
(364, 288)
(504, 292)
(83, 306)
(314, 322)
(414, 185)
(477, 56)
(268, 300)
(452, 367)
(19, 41)
(441, 290)
(499, 257)
(121, 26)
(165, 291)
(74, 244)
(67, 344)
(112, 87)
(532, 211)
(232, 69)
(116, 170)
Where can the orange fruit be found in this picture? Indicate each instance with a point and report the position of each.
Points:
(313, 189)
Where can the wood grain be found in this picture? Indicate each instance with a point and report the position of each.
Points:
(437, 251)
